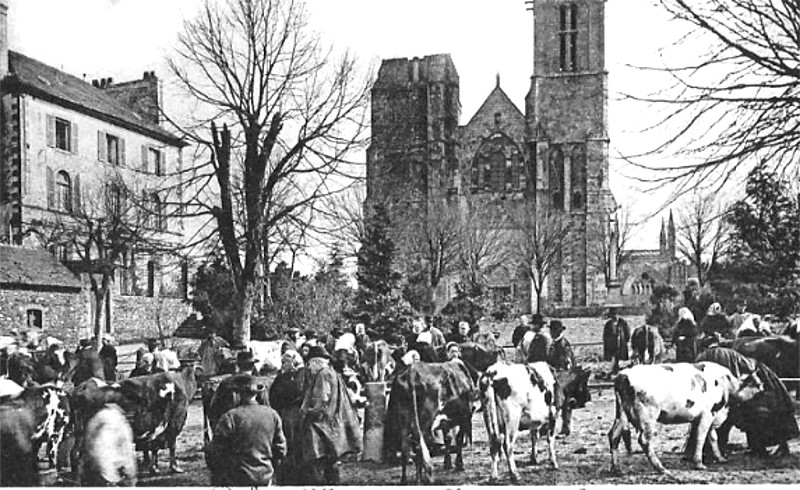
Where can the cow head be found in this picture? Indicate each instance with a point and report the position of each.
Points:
(574, 384)
(750, 385)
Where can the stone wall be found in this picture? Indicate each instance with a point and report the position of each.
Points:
(137, 317)
(65, 315)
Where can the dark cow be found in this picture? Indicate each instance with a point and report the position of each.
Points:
(679, 393)
(518, 396)
(647, 345)
(156, 406)
(476, 356)
(108, 458)
(779, 353)
(51, 414)
(572, 392)
(425, 398)
(18, 458)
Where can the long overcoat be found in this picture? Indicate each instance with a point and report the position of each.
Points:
(616, 335)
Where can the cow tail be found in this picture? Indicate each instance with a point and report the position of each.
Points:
(423, 447)
(490, 411)
(623, 392)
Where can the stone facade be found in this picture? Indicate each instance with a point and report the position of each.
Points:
(554, 156)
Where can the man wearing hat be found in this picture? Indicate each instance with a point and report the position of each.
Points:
(740, 315)
(248, 441)
(536, 343)
(561, 355)
(246, 363)
(330, 426)
(108, 354)
(616, 335)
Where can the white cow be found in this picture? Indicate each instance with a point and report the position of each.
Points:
(108, 456)
(517, 397)
(680, 393)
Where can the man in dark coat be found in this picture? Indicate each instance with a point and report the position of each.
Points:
(519, 331)
(538, 347)
(330, 425)
(248, 442)
(616, 335)
(561, 355)
(286, 397)
(89, 364)
(461, 334)
(108, 355)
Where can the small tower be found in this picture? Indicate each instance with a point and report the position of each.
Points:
(671, 238)
(662, 239)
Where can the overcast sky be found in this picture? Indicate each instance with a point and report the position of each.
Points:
(123, 38)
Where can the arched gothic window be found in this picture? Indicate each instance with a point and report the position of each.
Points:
(63, 192)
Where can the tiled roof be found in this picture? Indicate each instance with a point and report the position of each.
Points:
(24, 267)
(64, 89)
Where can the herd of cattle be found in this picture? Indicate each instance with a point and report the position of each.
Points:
(93, 426)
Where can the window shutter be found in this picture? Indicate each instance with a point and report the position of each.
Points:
(51, 190)
(102, 147)
(73, 145)
(121, 151)
(145, 149)
(51, 131)
(76, 194)
(162, 170)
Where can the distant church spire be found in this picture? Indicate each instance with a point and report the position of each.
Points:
(662, 241)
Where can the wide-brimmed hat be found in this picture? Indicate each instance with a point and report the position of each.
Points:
(612, 309)
(556, 326)
(245, 357)
(537, 319)
(318, 351)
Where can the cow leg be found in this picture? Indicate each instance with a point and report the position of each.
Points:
(703, 426)
(173, 461)
(647, 441)
(510, 443)
(151, 461)
(714, 442)
(566, 420)
(495, 446)
(447, 439)
(534, 440)
(460, 448)
(551, 438)
(619, 430)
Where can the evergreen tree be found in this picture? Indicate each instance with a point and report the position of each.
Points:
(766, 232)
(378, 302)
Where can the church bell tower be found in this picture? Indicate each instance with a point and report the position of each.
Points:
(566, 113)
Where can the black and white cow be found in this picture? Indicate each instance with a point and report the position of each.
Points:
(517, 397)
(680, 393)
(51, 413)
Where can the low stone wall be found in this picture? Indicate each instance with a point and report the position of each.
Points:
(138, 317)
(65, 315)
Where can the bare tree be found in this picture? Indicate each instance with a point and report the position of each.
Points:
(702, 233)
(105, 228)
(343, 227)
(484, 243)
(431, 236)
(734, 99)
(542, 244)
(285, 116)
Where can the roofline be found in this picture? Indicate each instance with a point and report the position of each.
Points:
(56, 288)
(486, 100)
(13, 83)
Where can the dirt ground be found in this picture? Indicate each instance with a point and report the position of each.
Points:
(583, 457)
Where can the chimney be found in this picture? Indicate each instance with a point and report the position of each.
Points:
(3, 38)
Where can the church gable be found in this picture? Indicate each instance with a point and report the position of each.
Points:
(498, 112)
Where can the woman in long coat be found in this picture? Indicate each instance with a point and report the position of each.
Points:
(685, 336)
(330, 425)
(286, 397)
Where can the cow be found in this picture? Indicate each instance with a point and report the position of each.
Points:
(425, 398)
(647, 345)
(679, 393)
(18, 458)
(517, 397)
(268, 354)
(476, 356)
(572, 392)
(779, 353)
(51, 414)
(155, 404)
(377, 363)
(108, 458)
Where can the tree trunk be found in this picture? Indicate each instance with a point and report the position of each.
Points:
(99, 307)
(241, 321)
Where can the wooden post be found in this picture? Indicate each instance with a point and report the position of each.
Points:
(374, 416)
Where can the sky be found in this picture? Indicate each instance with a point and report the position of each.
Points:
(123, 38)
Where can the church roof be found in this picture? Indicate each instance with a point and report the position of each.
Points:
(498, 99)
(66, 90)
(31, 268)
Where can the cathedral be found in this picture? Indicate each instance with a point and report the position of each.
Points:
(552, 157)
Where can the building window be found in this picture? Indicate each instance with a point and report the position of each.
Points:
(568, 37)
(110, 148)
(34, 318)
(62, 134)
(556, 177)
(152, 160)
(577, 201)
(159, 220)
(63, 192)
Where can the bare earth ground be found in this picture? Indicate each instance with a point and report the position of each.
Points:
(583, 456)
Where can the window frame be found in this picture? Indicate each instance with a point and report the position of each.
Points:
(63, 191)
(60, 122)
(568, 37)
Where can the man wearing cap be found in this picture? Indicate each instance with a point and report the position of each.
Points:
(740, 315)
(453, 351)
(461, 335)
(616, 335)
(330, 425)
(561, 355)
(108, 355)
(248, 441)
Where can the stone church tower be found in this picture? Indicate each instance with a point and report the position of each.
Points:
(554, 155)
